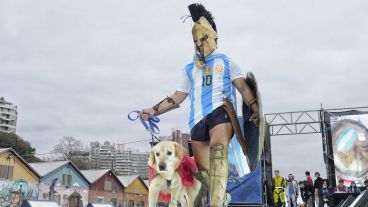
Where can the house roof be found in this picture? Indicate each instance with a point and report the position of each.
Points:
(44, 168)
(3, 150)
(93, 175)
(127, 179)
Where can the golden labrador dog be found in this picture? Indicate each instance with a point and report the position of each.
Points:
(165, 159)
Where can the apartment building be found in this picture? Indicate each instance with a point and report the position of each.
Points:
(8, 116)
(120, 160)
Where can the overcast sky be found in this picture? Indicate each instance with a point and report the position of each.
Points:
(77, 68)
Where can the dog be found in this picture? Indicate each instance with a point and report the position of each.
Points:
(166, 160)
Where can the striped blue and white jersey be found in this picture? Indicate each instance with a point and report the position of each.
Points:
(207, 86)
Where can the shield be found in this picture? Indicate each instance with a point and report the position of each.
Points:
(254, 136)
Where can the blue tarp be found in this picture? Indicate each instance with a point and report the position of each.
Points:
(245, 186)
(246, 189)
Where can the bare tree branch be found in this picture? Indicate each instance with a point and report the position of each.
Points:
(72, 149)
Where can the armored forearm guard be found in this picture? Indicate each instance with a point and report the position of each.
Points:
(172, 105)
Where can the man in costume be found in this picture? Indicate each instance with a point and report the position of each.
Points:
(209, 80)
(278, 186)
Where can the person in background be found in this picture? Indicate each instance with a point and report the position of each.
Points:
(306, 192)
(309, 178)
(317, 185)
(341, 188)
(325, 194)
(296, 182)
(291, 191)
(310, 182)
(353, 188)
(278, 186)
(365, 187)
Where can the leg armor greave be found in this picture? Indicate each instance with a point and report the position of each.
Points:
(219, 173)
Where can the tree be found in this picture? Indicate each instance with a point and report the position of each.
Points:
(22, 147)
(71, 149)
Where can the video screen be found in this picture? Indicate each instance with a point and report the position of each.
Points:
(350, 146)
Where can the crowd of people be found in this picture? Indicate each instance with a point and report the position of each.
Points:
(317, 193)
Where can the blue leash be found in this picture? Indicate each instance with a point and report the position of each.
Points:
(152, 122)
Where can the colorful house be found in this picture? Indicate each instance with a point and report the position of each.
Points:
(18, 180)
(105, 187)
(59, 180)
(135, 191)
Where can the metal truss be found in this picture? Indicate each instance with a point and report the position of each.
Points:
(297, 122)
(301, 122)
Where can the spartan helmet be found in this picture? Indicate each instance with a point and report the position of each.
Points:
(203, 31)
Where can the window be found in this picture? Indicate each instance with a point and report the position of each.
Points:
(66, 180)
(107, 185)
(100, 199)
(6, 171)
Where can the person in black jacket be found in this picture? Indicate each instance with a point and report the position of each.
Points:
(317, 185)
(306, 192)
(325, 194)
(365, 187)
(353, 188)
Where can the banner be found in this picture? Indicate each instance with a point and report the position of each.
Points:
(349, 134)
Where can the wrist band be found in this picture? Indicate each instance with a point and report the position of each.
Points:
(252, 102)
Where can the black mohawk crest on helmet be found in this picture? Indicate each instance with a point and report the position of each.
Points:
(197, 11)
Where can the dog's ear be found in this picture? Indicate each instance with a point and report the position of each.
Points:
(152, 160)
(179, 151)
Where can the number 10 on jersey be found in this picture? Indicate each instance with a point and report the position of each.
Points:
(206, 80)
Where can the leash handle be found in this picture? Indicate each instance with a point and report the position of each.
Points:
(152, 121)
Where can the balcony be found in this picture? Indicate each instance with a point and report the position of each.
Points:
(8, 107)
(7, 117)
(7, 125)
